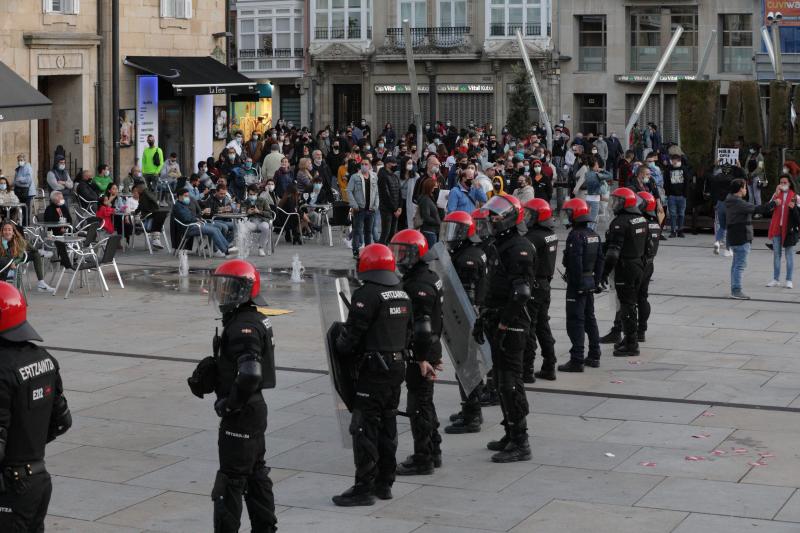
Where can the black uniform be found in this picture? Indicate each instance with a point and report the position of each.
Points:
(424, 288)
(377, 332)
(545, 241)
(488, 395)
(626, 239)
(471, 266)
(245, 348)
(583, 263)
(650, 252)
(511, 280)
(33, 411)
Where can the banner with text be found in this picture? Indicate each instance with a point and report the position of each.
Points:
(146, 111)
(728, 156)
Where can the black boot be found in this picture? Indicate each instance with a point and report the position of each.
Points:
(528, 376)
(571, 366)
(627, 348)
(612, 337)
(457, 416)
(354, 497)
(548, 371)
(471, 424)
(414, 467)
(489, 397)
(498, 445)
(517, 449)
(593, 362)
(641, 336)
(383, 492)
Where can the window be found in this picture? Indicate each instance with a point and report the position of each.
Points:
(452, 13)
(508, 16)
(65, 7)
(737, 44)
(651, 30)
(592, 43)
(342, 19)
(591, 113)
(271, 40)
(176, 9)
(415, 11)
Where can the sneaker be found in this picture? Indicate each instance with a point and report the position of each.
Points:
(789, 285)
(769, 245)
(219, 254)
(157, 244)
(44, 287)
(232, 250)
(47, 254)
(773, 283)
(672, 234)
(716, 247)
(727, 253)
(261, 252)
(739, 295)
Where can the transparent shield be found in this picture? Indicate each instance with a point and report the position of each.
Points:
(333, 309)
(471, 361)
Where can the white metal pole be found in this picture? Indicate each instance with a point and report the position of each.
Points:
(768, 45)
(412, 77)
(701, 70)
(543, 116)
(651, 85)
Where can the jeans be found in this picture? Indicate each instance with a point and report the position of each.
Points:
(226, 227)
(220, 243)
(722, 222)
(376, 225)
(431, 237)
(754, 191)
(594, 210)
(777, 250)
(362, 228)
(740, 253)
(677, 211)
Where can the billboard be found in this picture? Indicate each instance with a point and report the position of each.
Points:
(790, 9)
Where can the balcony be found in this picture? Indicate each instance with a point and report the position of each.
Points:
(264, 60)
(352, 33)
(258, 53)
(439, 39)
(510, 30)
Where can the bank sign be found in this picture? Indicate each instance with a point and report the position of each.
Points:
(440, 88)
(790, 9)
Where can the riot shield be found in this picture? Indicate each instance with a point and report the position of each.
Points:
(471, 361)
(332, 314)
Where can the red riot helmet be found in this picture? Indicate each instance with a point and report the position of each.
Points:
(409, 246)
(505, 212)
(537, 210)
(234, 283)
(14, 324)
(376, 264)
(456, 228)
(483, 232)
(622, 198)
(649, 205)
(577, 210)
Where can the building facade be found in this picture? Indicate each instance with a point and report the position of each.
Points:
(609, 49)
(63, 48)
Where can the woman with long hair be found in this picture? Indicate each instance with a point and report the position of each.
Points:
(783, 230)
(14, 251)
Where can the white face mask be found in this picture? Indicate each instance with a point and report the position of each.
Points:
(784, 188)
(409, 166)
(537, 169)
(61, 203)
(62, 167)
(271, 187)
(3, 186)
(786, 170)
(21, 163)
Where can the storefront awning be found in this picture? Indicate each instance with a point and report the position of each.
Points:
(20, 101)
(195, 75)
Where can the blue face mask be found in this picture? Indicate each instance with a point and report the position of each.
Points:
(186, 200)
(317, 187)
(5, 244)
(248, 165)
(651, 164)
(252, 199)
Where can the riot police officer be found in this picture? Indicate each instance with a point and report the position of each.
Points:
(583, 264)
(245, 364)
(545, 240)
(33, 411)
(626, 239)
(505, 321)
(376, 333)
(458, 233)
(488, 395)
(424, 287)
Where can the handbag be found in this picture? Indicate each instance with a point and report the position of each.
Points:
(417, 220)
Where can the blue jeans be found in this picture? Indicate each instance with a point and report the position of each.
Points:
(739, 263)
(722, 222)
(362, 228)
(677, 211)
(431, 237)
(594, 210)
(220, 243)
(777, 250)
(226, 227)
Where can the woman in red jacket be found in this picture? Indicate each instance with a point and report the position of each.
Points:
(783, 230)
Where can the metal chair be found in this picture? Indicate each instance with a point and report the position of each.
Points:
(87, 261)
(156, 226)
(203, 245)
(85, 208)
(110, 246)
(288, 216)
(20, 273)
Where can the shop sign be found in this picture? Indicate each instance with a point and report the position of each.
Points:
(790, 9)
(465, 88)
(644, 78)
(146, 111)
(400, 88)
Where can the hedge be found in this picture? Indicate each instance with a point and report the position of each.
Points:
(742, 115)
(698, 107)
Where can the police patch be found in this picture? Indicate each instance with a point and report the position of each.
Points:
(523, 253)
(360, 305)
(267, 323)
(247, 331)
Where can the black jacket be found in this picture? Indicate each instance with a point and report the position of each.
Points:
(739, 217)
(677, 180)
(429, 213)
(388, 190)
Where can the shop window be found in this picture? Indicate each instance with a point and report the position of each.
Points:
(65, 7)
(176, 9)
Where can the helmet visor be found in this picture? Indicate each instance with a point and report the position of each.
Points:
(451, 231)
(531, 217)
(405, 255)
(483, 230)
(616, 203)
(229, 291)
(502, 214)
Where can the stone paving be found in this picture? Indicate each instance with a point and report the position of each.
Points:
(699, 434)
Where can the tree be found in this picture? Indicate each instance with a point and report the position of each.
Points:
(519, 103)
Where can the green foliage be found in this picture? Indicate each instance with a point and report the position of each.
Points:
(779, 126)
(742, 115)
(731, 121)
(519, 103)
(698, 105)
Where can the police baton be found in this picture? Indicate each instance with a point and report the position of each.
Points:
(344, 300)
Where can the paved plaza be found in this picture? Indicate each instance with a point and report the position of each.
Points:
(698, 435)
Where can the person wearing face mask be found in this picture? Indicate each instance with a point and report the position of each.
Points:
(390, 199)
(102, 179)
(170, 173)
(58, 178)
(467, 195)
(524, 192)
(183, 212)
(601, 149)
(541, 183)
(272, 161)
(755, 172)
(152, 162)
(783, 230)
(718, 185)
(676, 185)
(320, 169)
(362, 194)
(259, 215)
(250, 173)
(254, 148)
(57, 210)
(16, 250)
(739, 224)
(24, 185)
(237, 143)
(269, 195)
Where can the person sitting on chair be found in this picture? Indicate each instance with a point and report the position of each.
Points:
(259, 215)
(56, 211)
(14, 251)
